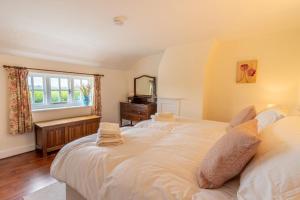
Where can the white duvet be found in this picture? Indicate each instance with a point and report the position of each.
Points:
(83, 165)
(158, 161)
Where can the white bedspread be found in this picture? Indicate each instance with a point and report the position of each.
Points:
(83, 165)
(156, 162)
(167, 169)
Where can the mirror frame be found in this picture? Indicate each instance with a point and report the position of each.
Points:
(154, 86)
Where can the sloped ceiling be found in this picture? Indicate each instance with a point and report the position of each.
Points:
(82, 31)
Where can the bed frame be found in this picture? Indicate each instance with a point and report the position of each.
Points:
(72, 194)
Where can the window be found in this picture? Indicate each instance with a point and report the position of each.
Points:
(56, 90)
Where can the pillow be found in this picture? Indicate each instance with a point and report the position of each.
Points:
(274, 173)
(229, 155)
(244, 115)
(268, 117)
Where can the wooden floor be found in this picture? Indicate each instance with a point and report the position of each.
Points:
(24, 174)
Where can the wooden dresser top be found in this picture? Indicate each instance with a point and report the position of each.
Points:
(65, 121)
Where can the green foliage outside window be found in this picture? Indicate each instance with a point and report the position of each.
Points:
(64, 95)
(55, 96)
(63, 90)
(38, 96)
(76, 95)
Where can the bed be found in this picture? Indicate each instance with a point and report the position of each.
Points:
(157, 161)
(158, 157)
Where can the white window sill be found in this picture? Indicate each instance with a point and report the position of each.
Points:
(59, 108)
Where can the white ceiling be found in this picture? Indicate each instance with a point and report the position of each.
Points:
(82, 31)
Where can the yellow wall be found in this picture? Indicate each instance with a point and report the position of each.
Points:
(203, 74)
(278, 74)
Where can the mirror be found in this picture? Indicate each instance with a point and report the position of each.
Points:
(145, 86)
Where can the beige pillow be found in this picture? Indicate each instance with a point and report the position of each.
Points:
(229, 155)
(244, 115)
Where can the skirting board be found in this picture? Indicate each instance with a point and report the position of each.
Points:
(16, 151)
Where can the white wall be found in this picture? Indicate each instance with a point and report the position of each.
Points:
(278, 74)
(145, 66)
(114, 89)
(181, 75)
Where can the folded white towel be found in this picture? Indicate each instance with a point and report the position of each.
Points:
(165, 115)
(109, 126)
(105, 144)
(109, 141)
(164, 119)
(109, 134)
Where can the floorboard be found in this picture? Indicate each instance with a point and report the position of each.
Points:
(23, 174)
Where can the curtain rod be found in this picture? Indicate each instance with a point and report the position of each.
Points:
(49, 70)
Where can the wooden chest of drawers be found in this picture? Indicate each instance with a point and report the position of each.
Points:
(136, 112)
(53, 135)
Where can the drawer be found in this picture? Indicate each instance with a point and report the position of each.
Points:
(134, 117)
(139, 109)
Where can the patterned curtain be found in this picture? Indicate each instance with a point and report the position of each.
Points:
(20, 117)
(96, 110)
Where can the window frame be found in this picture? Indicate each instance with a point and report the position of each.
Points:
(47, 104)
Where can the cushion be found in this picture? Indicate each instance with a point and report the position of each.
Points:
(268, 117)
(244, 115)
(274, 173)
(229, 155)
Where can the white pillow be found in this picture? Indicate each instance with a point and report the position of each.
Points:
(268, 117)
(274, 173)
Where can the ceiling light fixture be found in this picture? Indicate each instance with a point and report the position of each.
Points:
(119, 20)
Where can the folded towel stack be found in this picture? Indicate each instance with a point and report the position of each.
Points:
(164, 116)
(109, 134)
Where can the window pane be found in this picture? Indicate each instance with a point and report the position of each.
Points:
(76, 95)
(38, 83)
(29, 82)
(85, 82)
(76, 83)
(54, 96)
(60, 91)
(54, 84)
(38, 96)
(64, 84)
(64, 95)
